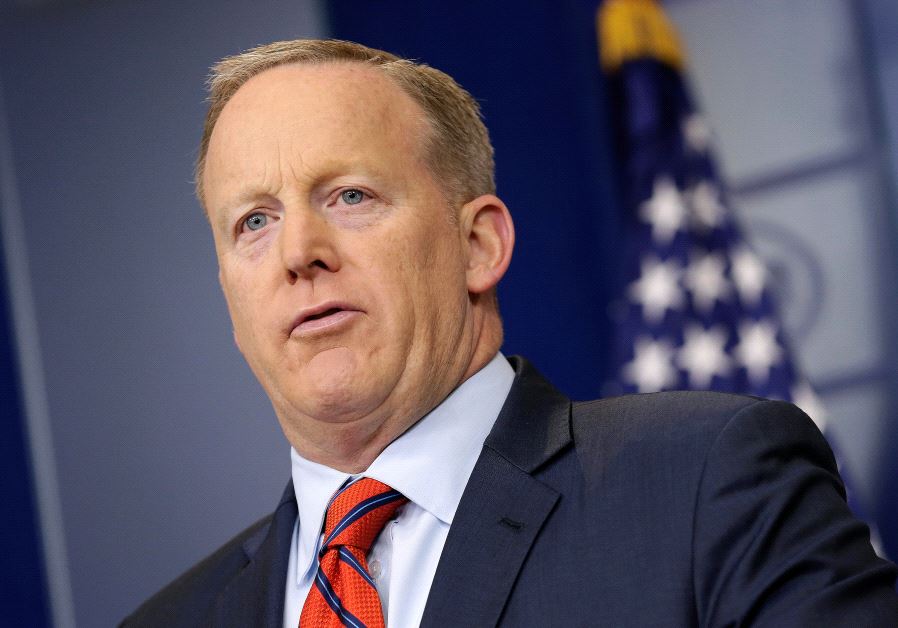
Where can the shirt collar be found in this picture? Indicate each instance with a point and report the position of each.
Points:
(430, 463)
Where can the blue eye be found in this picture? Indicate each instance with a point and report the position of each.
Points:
(352, 197)
(254, 222)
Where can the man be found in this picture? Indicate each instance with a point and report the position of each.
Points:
(360, 241)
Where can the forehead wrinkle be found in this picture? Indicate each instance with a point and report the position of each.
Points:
(295, 164)
(270, 182)
(272, 173)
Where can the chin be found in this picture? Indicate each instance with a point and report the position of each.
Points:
(340, 404)
(338, 383)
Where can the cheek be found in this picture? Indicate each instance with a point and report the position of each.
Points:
(435, 277)
(242, 303)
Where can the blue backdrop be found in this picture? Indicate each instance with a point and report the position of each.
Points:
(534, 69)
(22, 590)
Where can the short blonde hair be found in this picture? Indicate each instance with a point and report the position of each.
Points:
(458, 149)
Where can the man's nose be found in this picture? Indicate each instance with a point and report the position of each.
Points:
(307, 245)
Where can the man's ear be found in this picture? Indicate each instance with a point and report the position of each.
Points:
(489, 231)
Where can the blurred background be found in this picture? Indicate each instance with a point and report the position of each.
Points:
(133, 438)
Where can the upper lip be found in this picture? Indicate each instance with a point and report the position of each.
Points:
(316, 310)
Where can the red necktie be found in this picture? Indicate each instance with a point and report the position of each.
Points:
(343, 593)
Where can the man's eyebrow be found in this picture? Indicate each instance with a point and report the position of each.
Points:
(249, 195)
(239, 203)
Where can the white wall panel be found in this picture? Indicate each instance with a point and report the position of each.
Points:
(165, 445)
(776, 78)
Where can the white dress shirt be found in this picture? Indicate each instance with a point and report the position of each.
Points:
(430, 464)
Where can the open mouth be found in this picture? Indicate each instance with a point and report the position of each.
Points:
(324, 314)
(325, 318)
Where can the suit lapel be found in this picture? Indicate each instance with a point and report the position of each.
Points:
(503, 506)
(255, 597)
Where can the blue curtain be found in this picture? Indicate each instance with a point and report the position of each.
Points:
(23, 599)
(534, 69)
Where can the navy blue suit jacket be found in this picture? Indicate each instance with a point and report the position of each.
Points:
(669, 509)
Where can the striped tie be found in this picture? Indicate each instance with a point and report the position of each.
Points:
(344, 593)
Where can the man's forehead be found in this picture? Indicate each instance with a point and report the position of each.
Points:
(326, 114)
(324, 106)
(314, 88)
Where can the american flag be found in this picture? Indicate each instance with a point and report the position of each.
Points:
(695, 308)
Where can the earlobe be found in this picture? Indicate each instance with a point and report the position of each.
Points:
(490, 241)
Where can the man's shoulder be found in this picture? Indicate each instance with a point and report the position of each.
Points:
(678, 427)
(193, 594)
(672, 405)
(682, 428)
(693, 412)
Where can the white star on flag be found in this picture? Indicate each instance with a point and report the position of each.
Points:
(696, 133)
(707, 210)
(702, 355)
(758, 350)
(749, 275)
(657, 288)
(665, 210)
(705, 279)
(652, 367)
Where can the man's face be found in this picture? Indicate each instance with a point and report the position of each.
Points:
(343, 270)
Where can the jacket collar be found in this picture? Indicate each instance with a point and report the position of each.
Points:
(503, 507)
(535, 422)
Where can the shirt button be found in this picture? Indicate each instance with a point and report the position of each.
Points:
(375, 569)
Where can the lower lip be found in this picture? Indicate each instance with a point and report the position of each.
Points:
(327, 324)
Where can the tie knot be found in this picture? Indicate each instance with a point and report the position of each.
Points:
(358, 513)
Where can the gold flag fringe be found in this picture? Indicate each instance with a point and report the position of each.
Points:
(636, 29)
